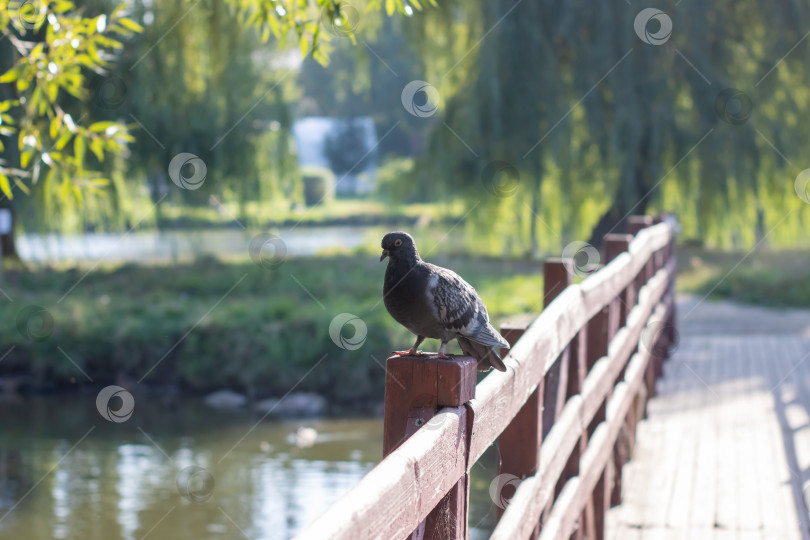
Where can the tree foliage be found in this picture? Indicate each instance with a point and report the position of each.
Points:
(57, 47)
(62, 53)
(600, 124)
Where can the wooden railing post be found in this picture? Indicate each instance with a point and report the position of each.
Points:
(634, 225)
(600, 331)
(519, 444)
(671, 294)
(615, 245)
(556, 277)
(569, 374)
(415, 389)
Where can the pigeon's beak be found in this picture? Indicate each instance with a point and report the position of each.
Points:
(384, 254)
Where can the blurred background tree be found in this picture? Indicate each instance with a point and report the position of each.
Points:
(601, 124)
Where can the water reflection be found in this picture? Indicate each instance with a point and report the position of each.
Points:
(179, 245)
(120, 481)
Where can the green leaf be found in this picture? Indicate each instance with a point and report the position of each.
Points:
(304, 46)
(63, 140)
(7, 104)
(53, 91)
(130, 24)
(78, 150)
(99, 127)
(25, 158)
(9, 76)
(56, 122)
(97, 146)
(5, 186)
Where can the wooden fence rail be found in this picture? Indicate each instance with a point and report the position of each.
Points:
(563, 415)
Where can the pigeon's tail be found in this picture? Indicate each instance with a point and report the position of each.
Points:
(486, 355)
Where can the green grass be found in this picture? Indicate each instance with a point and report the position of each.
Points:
(262, 337)
(778, 278)
(342, 211)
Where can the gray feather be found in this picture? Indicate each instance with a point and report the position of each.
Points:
(486, 356)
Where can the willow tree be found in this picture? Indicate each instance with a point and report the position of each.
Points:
(60, 79)
(605, 111)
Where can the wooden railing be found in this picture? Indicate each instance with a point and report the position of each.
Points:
(563, 414)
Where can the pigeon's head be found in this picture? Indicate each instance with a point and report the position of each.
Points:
(398, 245)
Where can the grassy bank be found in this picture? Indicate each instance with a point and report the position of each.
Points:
(344, 211)
(211, 324)
(770, 278)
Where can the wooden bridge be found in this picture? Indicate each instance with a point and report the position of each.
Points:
(724, 451)
(565, 418)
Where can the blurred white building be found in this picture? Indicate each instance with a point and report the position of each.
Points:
(344, 145)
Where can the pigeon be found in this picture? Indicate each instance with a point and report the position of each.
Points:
(434, 302)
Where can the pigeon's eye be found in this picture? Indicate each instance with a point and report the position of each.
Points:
(397, 242)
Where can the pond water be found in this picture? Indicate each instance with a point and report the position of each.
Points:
(184, 473)
(172, 246)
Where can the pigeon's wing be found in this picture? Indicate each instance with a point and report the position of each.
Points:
(459, 308)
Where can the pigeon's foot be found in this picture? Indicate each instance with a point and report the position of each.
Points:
(442, 356)
(410, 353)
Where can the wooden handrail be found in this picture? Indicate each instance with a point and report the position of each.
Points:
(584, 367)
(530, 498)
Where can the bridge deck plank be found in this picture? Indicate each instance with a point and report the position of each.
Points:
(725, 451)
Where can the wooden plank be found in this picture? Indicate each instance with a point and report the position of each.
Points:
(500, 395)
(399, 493)
(601, 329)
(636, 223)
(556, 279)
(600, 287)
(531, 357)
(416, 388)
(562, 520)
(533, 493)
(577, 372)
(614, 245)
(450, 518)
(519, 444)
